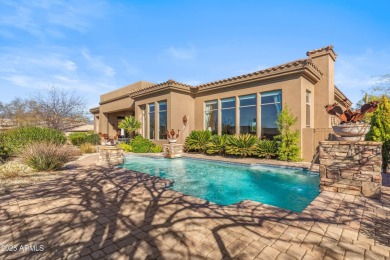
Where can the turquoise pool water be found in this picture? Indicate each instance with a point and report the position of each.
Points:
(225, 184)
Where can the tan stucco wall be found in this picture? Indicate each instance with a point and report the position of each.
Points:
(324, 93)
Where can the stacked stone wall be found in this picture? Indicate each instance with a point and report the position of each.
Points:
(351, 167)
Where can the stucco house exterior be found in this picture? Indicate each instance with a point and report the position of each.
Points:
(243, 104)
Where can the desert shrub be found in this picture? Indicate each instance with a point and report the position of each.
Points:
(242, 145)
(15, 140)
(5, 151)
(287, 139)
(87, 148)
(267, 149)
(217, 145)
(126, 147)
(197, 141)
(82, 138)
(11, 170)
(46, 156)
(142, 145)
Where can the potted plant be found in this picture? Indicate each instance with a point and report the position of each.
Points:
(172, 136)
(351, 127)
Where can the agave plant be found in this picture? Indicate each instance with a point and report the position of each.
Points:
(197, 141)
(217, 145)
(242, 145)
(266, 149)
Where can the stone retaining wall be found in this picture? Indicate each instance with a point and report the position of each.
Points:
(351, 167)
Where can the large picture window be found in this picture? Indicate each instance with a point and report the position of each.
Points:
(228, 115)
(151, 121)
(248, 114)
(162, 120)
(271, 105)
(211, 116)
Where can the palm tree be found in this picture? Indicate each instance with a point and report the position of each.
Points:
(130, 124)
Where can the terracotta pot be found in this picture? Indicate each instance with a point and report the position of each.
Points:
(351, 132)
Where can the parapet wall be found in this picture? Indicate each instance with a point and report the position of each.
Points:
(351, 167)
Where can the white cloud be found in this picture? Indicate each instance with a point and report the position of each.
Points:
(181, 53)
(97, 63)
(39, 18)
(355, 73)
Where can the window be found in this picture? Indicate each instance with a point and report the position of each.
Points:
(151, 121)
(228, 115)
(211, 116)
(248, 114)
(162, 120)
(308, 108)
(270, 107)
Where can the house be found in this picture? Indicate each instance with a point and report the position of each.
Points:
(244, 104)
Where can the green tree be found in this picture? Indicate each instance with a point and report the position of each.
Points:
(380, 128)
(288, 149)
(130, 124)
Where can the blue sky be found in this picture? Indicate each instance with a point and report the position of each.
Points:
(93, 47)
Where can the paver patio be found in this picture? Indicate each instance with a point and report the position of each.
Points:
(94, 212)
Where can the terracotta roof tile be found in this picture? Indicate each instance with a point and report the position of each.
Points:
(327, 48)
(169, 82)
(297, 63)
(301, 63)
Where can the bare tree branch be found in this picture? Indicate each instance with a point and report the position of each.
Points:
(59, 109)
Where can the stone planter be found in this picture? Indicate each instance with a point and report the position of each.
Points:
(351, 132)
(111, 155)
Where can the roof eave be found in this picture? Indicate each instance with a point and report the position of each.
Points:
(173, 87)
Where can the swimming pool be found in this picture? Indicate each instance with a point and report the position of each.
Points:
(226, 183)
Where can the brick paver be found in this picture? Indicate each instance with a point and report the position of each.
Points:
(94, 212)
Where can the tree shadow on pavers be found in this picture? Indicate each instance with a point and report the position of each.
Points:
(108, 212)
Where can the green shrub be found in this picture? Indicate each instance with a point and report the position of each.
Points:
(126, 147)
(380, 129)
(92, 138)
(156, 149)
(197, 141)
(4, 150)
(242, 145)
(288, 149)
(266, 149)
(217, 145)
(82, 138)
(46, 156)
(142, 145)
(87, 148)
(15, 140)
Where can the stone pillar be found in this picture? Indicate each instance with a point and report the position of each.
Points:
(111, 155)
(351, 167)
